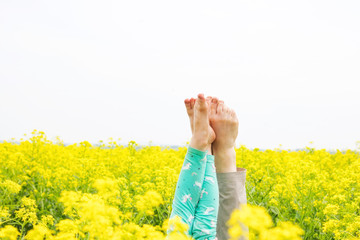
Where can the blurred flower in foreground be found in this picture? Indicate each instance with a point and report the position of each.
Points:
(260, 225)
(177, 229)
(147, 202)
(9, 232)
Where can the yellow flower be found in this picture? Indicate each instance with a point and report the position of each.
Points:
(177, 229)
(9, 232)
(260, 224)
(27, 211)
(254, 217)
(331, 209)
(284, 231)
(4, 212)
(111, 192)
(11, 187)
(108, 188)
(147, 202)
(274, 202)
(67, 228)
(330, 225)
(47, 220)
(39, 232)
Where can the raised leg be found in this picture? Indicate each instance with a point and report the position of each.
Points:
(192, 175)
(204, 226)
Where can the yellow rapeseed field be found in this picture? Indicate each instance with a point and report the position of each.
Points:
(108, 191)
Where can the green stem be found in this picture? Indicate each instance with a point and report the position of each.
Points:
(138, 217)
(13, 220)
(22, 230)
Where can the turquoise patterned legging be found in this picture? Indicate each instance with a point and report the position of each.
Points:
(196, 198)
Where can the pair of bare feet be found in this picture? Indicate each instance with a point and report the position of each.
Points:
(214, 128)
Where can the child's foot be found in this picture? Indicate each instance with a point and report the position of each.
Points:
(203, 134)
(189, 104)
(225, 124)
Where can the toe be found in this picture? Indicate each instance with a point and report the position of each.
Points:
(208, 100)
(187, 103)
(213, 105)
(192, 103)
(226, 111)
(215, 100)
(208, 103)
(201, 101)
(201, 96)
(220, 107)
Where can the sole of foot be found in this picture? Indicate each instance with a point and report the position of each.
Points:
(225, 124)
(203, 134)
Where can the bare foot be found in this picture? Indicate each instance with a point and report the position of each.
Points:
(189, 104)
(203, 134)
(225, 124)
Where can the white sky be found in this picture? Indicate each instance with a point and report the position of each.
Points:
(90, 70)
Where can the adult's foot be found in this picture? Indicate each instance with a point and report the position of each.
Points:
(202, 134)
(225, 124)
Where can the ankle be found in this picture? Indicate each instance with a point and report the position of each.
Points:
(199, 143)
(224, 151)
(225, 160)
(209, 150)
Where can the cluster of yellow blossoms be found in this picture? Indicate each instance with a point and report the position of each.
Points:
(108, 191)
(254, 222)
(316, 189)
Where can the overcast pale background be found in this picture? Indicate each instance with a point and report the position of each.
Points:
(90, 70)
